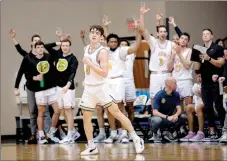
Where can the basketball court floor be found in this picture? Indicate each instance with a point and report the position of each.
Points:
(169, 151)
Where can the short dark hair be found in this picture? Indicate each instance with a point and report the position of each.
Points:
(97, 27)
(125, 41)
(38, 43)
(104, 37)
(161, 26)
(186, 34)
(207, 29)
(33, 36)
(67, 40)
(113, 36)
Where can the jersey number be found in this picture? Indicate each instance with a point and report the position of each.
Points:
(88, 70)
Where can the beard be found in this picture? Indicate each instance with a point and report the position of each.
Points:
(113, 49)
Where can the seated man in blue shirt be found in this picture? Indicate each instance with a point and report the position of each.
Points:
(166, 110)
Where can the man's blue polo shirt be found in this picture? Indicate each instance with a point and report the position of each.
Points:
(166, 104)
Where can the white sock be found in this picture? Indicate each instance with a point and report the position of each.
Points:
(91, 143)
(41, 134)
(124, 132)
(119, 131)
(102, 131)
(134, 135)
(113, 133)
(53, 130)
(70, 133)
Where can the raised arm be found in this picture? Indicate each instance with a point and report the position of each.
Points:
(59, 34)
(106, 23)
(103, 59)
(177, 29)
(82, 36)
(17, 45)
(150, 39)
(145, 33)
(133, 48)
(158, 20)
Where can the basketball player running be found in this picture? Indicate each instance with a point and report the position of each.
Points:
(100, 111)
(96, 90)
(181, 64)
(161, 50)
(66, 65)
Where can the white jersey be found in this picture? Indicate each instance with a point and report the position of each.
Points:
(117, 60)
(91, 77)
(179, 71)
(160, 54)
(128, 72)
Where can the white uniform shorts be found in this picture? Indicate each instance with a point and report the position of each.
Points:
(117, 88)
(130, 90)
(197, 101)
(67, 99)
(46, 97)
(93, 95)
(184, 87)
(157, 83)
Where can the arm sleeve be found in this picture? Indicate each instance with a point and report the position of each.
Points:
(177, 99)
(20, 73)
(20, 50)
(73, 69)
(49, 47)
(178, 31)
(157, 100)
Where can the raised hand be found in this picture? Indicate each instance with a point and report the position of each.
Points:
(159, 16)
(12, 33)
(172, 21)
(59, 32)
(68, 37)
(105, 21)
(143, 9)
(136, 24)
(82, 33)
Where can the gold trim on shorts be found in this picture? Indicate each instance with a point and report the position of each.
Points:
(86, 108)
(108, 104)
(114, 101)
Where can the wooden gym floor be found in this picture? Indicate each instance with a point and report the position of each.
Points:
(170, 151)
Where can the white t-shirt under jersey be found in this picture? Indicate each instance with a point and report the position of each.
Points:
(128, 72)
(179, 71)
(117, 60)
(160, 54)
(91, 77)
